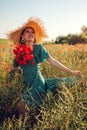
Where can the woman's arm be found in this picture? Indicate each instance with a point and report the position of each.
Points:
(57, 64)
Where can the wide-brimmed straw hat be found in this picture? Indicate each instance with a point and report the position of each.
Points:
(36, 24)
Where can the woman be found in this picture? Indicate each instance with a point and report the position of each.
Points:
(29, 55)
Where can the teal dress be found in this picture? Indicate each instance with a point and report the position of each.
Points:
(36, 86)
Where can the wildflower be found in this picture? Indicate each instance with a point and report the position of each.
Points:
(8, 68)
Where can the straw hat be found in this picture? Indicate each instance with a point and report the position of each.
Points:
(33, 22)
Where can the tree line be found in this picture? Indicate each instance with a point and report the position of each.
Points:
(73, 38)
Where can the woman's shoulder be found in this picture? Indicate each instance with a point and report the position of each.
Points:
(40, 52)
(38, 46)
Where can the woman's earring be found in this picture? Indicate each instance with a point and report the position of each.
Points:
(22, 41)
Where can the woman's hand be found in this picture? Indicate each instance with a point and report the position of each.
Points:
(76, 73)
(16, 70)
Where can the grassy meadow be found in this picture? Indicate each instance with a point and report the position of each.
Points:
(66, 110)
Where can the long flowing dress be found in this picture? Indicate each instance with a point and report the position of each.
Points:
(36, 86)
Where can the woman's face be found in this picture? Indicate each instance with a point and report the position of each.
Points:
(28, 35)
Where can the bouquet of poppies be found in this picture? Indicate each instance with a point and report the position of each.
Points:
(23, 54)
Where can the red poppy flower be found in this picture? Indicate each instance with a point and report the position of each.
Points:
(24, 54)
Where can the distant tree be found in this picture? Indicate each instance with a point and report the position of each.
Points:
(73, 39)
(61, 39)
(84, 29)
(84, 33)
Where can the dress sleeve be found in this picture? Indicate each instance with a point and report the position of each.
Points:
(42, 54)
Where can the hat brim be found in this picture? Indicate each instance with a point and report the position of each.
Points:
(33, 22)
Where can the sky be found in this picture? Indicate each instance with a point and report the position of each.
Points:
(60, 17)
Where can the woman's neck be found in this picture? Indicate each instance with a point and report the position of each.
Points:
(28, 43)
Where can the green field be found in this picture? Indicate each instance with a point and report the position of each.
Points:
(66, 110)
(4, 41)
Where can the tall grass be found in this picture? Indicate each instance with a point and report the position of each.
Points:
(66, 110)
